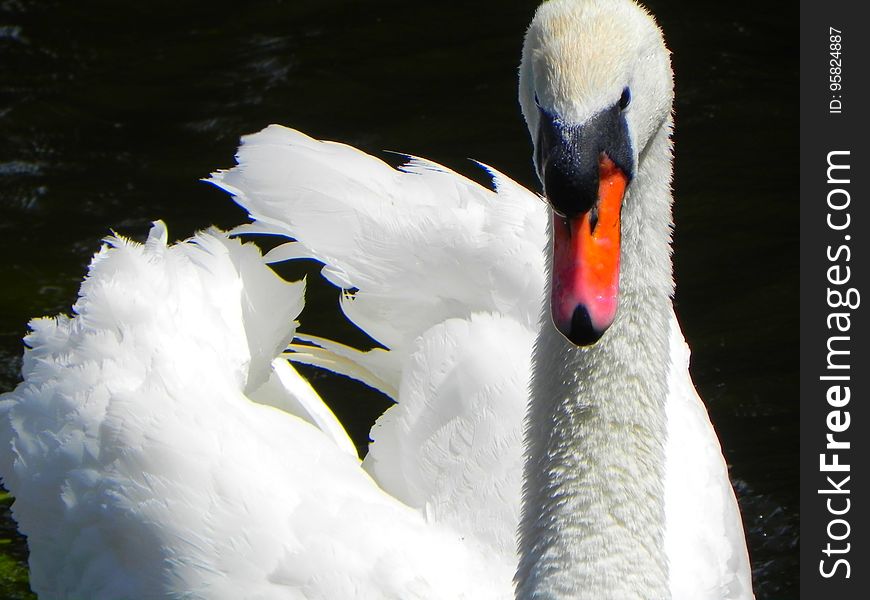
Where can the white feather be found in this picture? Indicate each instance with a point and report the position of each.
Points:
(142, 469)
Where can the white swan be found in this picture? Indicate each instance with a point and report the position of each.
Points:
(156, 448)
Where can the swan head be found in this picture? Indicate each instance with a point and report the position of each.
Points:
(595, 88)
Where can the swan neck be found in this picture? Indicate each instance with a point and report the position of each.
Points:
(593, 500)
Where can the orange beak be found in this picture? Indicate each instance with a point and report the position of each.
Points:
(585, 282)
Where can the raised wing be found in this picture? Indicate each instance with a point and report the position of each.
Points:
(448, 276)
(142, 468)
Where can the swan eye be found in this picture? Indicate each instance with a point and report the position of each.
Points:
(625, 99)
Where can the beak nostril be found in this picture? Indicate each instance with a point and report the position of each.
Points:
(624, 99)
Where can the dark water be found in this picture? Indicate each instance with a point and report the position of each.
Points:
(111, 112)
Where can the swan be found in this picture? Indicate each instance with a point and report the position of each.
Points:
(161, 444)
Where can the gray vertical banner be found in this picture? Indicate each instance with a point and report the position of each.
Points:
(835, 226)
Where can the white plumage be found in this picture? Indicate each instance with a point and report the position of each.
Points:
(159, 446)
(448, 275)
(143, 469)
